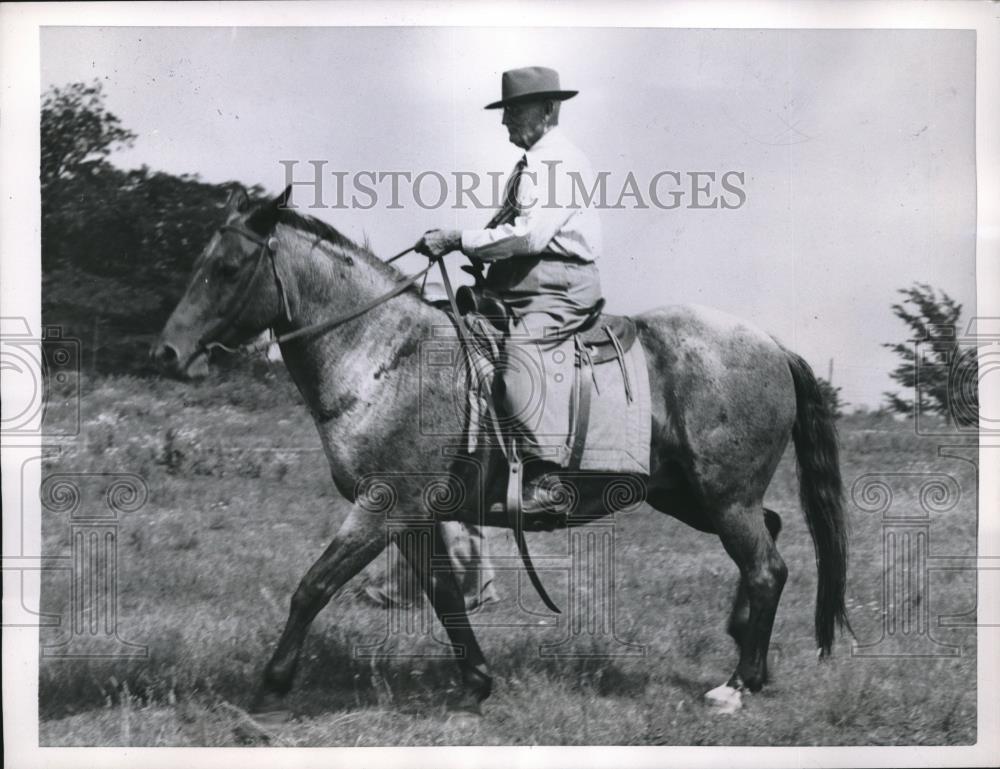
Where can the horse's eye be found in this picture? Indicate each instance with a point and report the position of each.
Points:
(227, 269)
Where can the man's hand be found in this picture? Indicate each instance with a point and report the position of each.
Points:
(437, 243)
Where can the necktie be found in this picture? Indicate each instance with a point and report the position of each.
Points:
(508, 212)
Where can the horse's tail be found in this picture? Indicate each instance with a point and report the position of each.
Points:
(821, 493)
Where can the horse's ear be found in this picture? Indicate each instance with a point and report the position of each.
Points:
(238, 201)
(282, 200)
(280, 203)
(267, 215)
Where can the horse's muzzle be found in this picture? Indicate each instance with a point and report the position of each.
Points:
(171, 362)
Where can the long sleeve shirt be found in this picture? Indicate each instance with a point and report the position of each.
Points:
(556, 211)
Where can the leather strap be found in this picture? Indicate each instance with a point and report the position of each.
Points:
(621, 362)
(581, 419)
(241, 295)
(515, 486)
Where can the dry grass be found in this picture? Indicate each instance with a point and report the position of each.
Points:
(241, 503)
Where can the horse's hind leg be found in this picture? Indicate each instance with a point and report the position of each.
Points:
(359, 540)
(431, 562)
(749, 542)
(739, 617)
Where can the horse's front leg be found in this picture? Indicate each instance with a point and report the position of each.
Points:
(424, 547)
(360, 539)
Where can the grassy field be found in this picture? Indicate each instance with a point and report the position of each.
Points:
(240, 503)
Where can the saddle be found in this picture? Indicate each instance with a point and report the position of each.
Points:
(604, 335)
(603, 338)
(483, 324)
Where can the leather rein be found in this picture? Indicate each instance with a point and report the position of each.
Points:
(268, 247)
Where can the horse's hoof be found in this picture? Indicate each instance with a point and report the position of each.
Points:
(465, 718)
(272, 719)
(260, 726)
(724, 699)
(269, 710)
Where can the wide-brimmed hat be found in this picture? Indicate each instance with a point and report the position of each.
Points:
(529, 83)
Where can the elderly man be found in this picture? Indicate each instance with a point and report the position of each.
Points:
(541, 248)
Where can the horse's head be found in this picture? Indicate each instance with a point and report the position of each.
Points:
(235, 291)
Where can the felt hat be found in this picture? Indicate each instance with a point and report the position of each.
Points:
(528, 83)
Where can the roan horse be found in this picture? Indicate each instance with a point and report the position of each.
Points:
(726, 398)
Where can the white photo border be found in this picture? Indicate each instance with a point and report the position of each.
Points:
(20, 287)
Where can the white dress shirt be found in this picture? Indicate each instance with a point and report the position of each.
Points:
(553, 216)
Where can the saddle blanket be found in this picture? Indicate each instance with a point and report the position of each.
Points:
(619, 428)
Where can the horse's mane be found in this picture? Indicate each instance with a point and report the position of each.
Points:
(313, 226)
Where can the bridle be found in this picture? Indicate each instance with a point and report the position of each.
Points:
(267, 248)
(267, 251)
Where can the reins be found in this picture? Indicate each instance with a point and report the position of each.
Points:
(268, 247)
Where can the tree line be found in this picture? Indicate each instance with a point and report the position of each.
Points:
(117, 245)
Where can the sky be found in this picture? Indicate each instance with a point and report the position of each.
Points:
(857, 149)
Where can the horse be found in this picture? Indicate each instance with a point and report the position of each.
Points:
(726, 400)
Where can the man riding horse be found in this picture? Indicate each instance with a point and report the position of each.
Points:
(725, 398)
(542, 251)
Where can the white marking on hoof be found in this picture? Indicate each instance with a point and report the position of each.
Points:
(724, 699)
